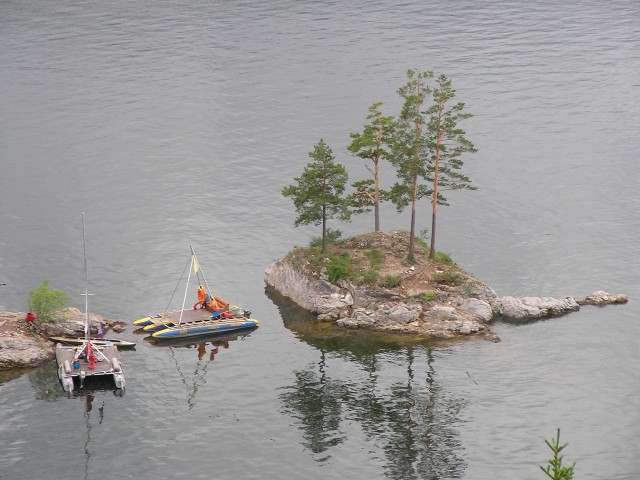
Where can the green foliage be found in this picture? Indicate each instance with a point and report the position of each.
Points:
(47, 304)
(452, 278)
(338, 267)
(446, 145)
(318, 193)
(429, 296)
(555, 470)
(374, 144)
(445, 258)
(369, 277)
(410, 151)
(391, 281)
(375, 256)
(331, 237)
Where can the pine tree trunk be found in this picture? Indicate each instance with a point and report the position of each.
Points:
(324, 229)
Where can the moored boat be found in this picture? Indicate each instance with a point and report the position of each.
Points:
(208, 327)
(209, 315)
(88, 358)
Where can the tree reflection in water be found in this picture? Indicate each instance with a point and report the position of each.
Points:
(411, 419)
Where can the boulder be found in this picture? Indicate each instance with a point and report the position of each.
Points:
(533, 307)
(603, 298)
(23, 352)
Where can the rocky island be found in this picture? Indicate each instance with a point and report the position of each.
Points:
(366, 282)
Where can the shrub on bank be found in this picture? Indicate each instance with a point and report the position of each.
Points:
(48, 304)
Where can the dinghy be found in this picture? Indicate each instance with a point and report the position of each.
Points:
(101, 342)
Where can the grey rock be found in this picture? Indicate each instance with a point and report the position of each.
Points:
(533, 307)
(603, 298)
(313, 294)
(481, 309)
(404, 313)
(23, 352)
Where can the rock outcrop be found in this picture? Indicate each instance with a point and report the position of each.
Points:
(448, 313)
(24, 344)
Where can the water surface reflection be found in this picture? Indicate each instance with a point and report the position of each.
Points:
(386, 386)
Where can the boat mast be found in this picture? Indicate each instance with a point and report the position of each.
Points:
(193, 253)
(86, 285)
(186, 290)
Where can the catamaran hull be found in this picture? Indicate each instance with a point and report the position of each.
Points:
(176, 318)
(205, 328)
(144, 321)
(71, 368)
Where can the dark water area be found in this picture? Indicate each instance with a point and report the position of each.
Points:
(175, 125)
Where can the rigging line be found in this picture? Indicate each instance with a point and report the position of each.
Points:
(186, 290)
(201, 272)
(177, 285)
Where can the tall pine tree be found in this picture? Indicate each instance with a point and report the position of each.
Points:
(446, 146)
(317, 194)
(410, 153)
(374, 144)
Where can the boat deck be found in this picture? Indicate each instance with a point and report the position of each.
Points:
(188, 315)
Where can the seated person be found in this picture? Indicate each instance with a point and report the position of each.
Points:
(217, 304)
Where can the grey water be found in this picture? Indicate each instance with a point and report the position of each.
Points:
(177, 124)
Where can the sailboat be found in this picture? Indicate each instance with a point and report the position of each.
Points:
(189, 322)
(89, 358)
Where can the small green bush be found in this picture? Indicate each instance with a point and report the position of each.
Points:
(444, 258)
(338, 267)
(390, 281)
(452, 278)
(370, 277)
(332, 237)
(429, 296)
(47, 304)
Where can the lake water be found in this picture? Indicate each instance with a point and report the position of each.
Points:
(173, 124)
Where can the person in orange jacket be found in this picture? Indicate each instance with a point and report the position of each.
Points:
(201, 297)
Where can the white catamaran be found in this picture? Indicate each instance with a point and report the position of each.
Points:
(89, 358)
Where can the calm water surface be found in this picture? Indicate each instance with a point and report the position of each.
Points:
(172, 125)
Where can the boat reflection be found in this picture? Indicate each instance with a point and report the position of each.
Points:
(384, 383)
(47, 386)
(207, 347)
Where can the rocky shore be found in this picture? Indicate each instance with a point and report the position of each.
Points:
(26, 344)
(421, 303)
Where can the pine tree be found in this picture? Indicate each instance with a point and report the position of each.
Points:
(317, 194)
(372, 144)
(410, 153)
(446, 145)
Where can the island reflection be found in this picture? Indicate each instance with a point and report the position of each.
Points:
(386, 385)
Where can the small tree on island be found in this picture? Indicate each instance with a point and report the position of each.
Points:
(47, 303)
(317, 194)
(374, 144)
(446, 144)
(410, 154)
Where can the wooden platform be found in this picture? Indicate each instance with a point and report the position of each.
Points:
(107, 363)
